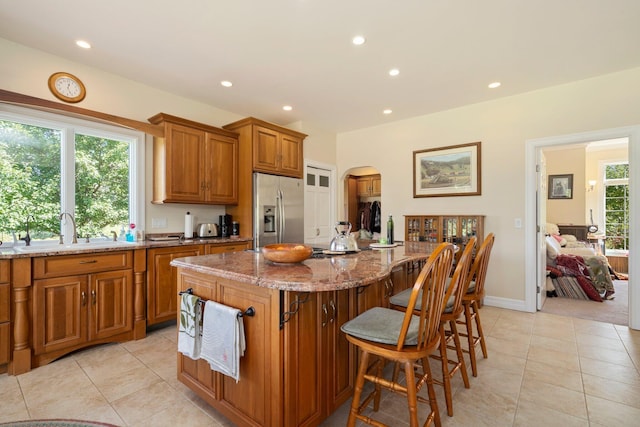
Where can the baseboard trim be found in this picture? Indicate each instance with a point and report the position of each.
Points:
(510, 304)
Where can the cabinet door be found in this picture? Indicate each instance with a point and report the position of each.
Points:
(376, 185)
(265, 149)
(291, 155)
(162, 292)
(339, 356)
(111, 304)
(370, 296)
(185, 155)
(221, 169)
(363, 187)
(400, 279)
(59, 313)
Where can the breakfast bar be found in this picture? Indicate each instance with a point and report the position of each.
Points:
(297, 368)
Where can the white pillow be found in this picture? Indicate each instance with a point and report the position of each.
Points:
(569, 237)
(552, 228)
(553, 247)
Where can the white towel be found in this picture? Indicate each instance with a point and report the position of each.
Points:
(223, 341)
(190, 330)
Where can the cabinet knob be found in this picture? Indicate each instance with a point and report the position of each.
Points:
(83, 298)
(93, 297)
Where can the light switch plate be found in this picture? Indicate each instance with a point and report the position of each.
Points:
(517, 223)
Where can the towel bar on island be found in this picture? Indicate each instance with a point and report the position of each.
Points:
(250, 312)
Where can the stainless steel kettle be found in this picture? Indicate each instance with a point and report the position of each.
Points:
(344, 241)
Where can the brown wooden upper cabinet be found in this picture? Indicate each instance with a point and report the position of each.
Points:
(194, 163)
(275, 149)
(368, 186)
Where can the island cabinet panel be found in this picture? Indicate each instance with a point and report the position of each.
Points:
(162, 291)
(257, 399)
(303, 358)
(339, 364)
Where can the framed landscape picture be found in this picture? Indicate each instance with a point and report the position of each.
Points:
(561, 186)
(447, 171)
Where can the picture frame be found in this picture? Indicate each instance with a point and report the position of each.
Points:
(560, 186)
(447, 171)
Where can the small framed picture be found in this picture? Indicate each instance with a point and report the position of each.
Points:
(561, 186)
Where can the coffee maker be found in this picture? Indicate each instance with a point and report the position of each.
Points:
(225, 225)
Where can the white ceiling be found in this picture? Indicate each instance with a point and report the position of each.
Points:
(299, 52)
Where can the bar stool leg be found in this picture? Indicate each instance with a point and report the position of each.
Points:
(412, 395)
(483, 345)
(456, 340)
(355, 403)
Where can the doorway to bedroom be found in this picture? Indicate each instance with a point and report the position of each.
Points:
(585, 205)
(592, 215)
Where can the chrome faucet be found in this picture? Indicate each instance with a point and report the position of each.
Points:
(27, 238)
(73, 222)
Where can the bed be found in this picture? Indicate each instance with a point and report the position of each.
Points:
(576, 270)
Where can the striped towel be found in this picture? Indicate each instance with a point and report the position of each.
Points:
(223, 341)
(190, 330)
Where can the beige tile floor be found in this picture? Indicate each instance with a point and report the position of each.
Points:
(543, 370)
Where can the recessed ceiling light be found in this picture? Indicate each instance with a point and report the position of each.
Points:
(83, 44)
(494, 85)
(394, 72)
(287, 108)
(387, 111)
(358, 40)
(226, 83)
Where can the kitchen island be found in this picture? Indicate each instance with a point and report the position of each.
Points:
(298, 367)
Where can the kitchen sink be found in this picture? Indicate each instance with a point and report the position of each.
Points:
(106, 244)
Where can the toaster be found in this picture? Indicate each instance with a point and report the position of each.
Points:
(207, 230)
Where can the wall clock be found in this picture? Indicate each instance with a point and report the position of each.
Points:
(67, 87)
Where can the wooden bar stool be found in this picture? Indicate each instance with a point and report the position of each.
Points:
(404, 338)
(456, 288)
(473, 298)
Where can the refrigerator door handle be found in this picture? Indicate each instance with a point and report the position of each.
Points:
(282, 216)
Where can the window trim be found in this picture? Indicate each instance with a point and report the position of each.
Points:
(69, 126)
(601, 196)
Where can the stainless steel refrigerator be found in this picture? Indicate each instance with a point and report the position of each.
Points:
(278, 204)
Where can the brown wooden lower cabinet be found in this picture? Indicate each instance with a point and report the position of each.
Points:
(72, 311)
(298, 367)
(162, 292)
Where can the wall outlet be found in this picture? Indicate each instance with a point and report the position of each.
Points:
(158, 222)
(517, 223)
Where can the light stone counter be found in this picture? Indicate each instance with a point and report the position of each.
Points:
(328, 273)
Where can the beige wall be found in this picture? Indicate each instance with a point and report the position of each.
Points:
(503, 126)
(24, 70)
(563, 162)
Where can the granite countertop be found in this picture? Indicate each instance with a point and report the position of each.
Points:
(8, 251)
(327, 273)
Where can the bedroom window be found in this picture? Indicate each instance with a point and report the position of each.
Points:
(52, 163)
(616, 206)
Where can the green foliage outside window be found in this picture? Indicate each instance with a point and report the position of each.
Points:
(31, 182)
(617, 206)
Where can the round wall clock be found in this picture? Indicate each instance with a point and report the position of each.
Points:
(67, 87)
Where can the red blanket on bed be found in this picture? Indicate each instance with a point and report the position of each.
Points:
(574, 265)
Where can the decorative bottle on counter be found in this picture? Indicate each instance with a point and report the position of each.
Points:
(390, 230)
